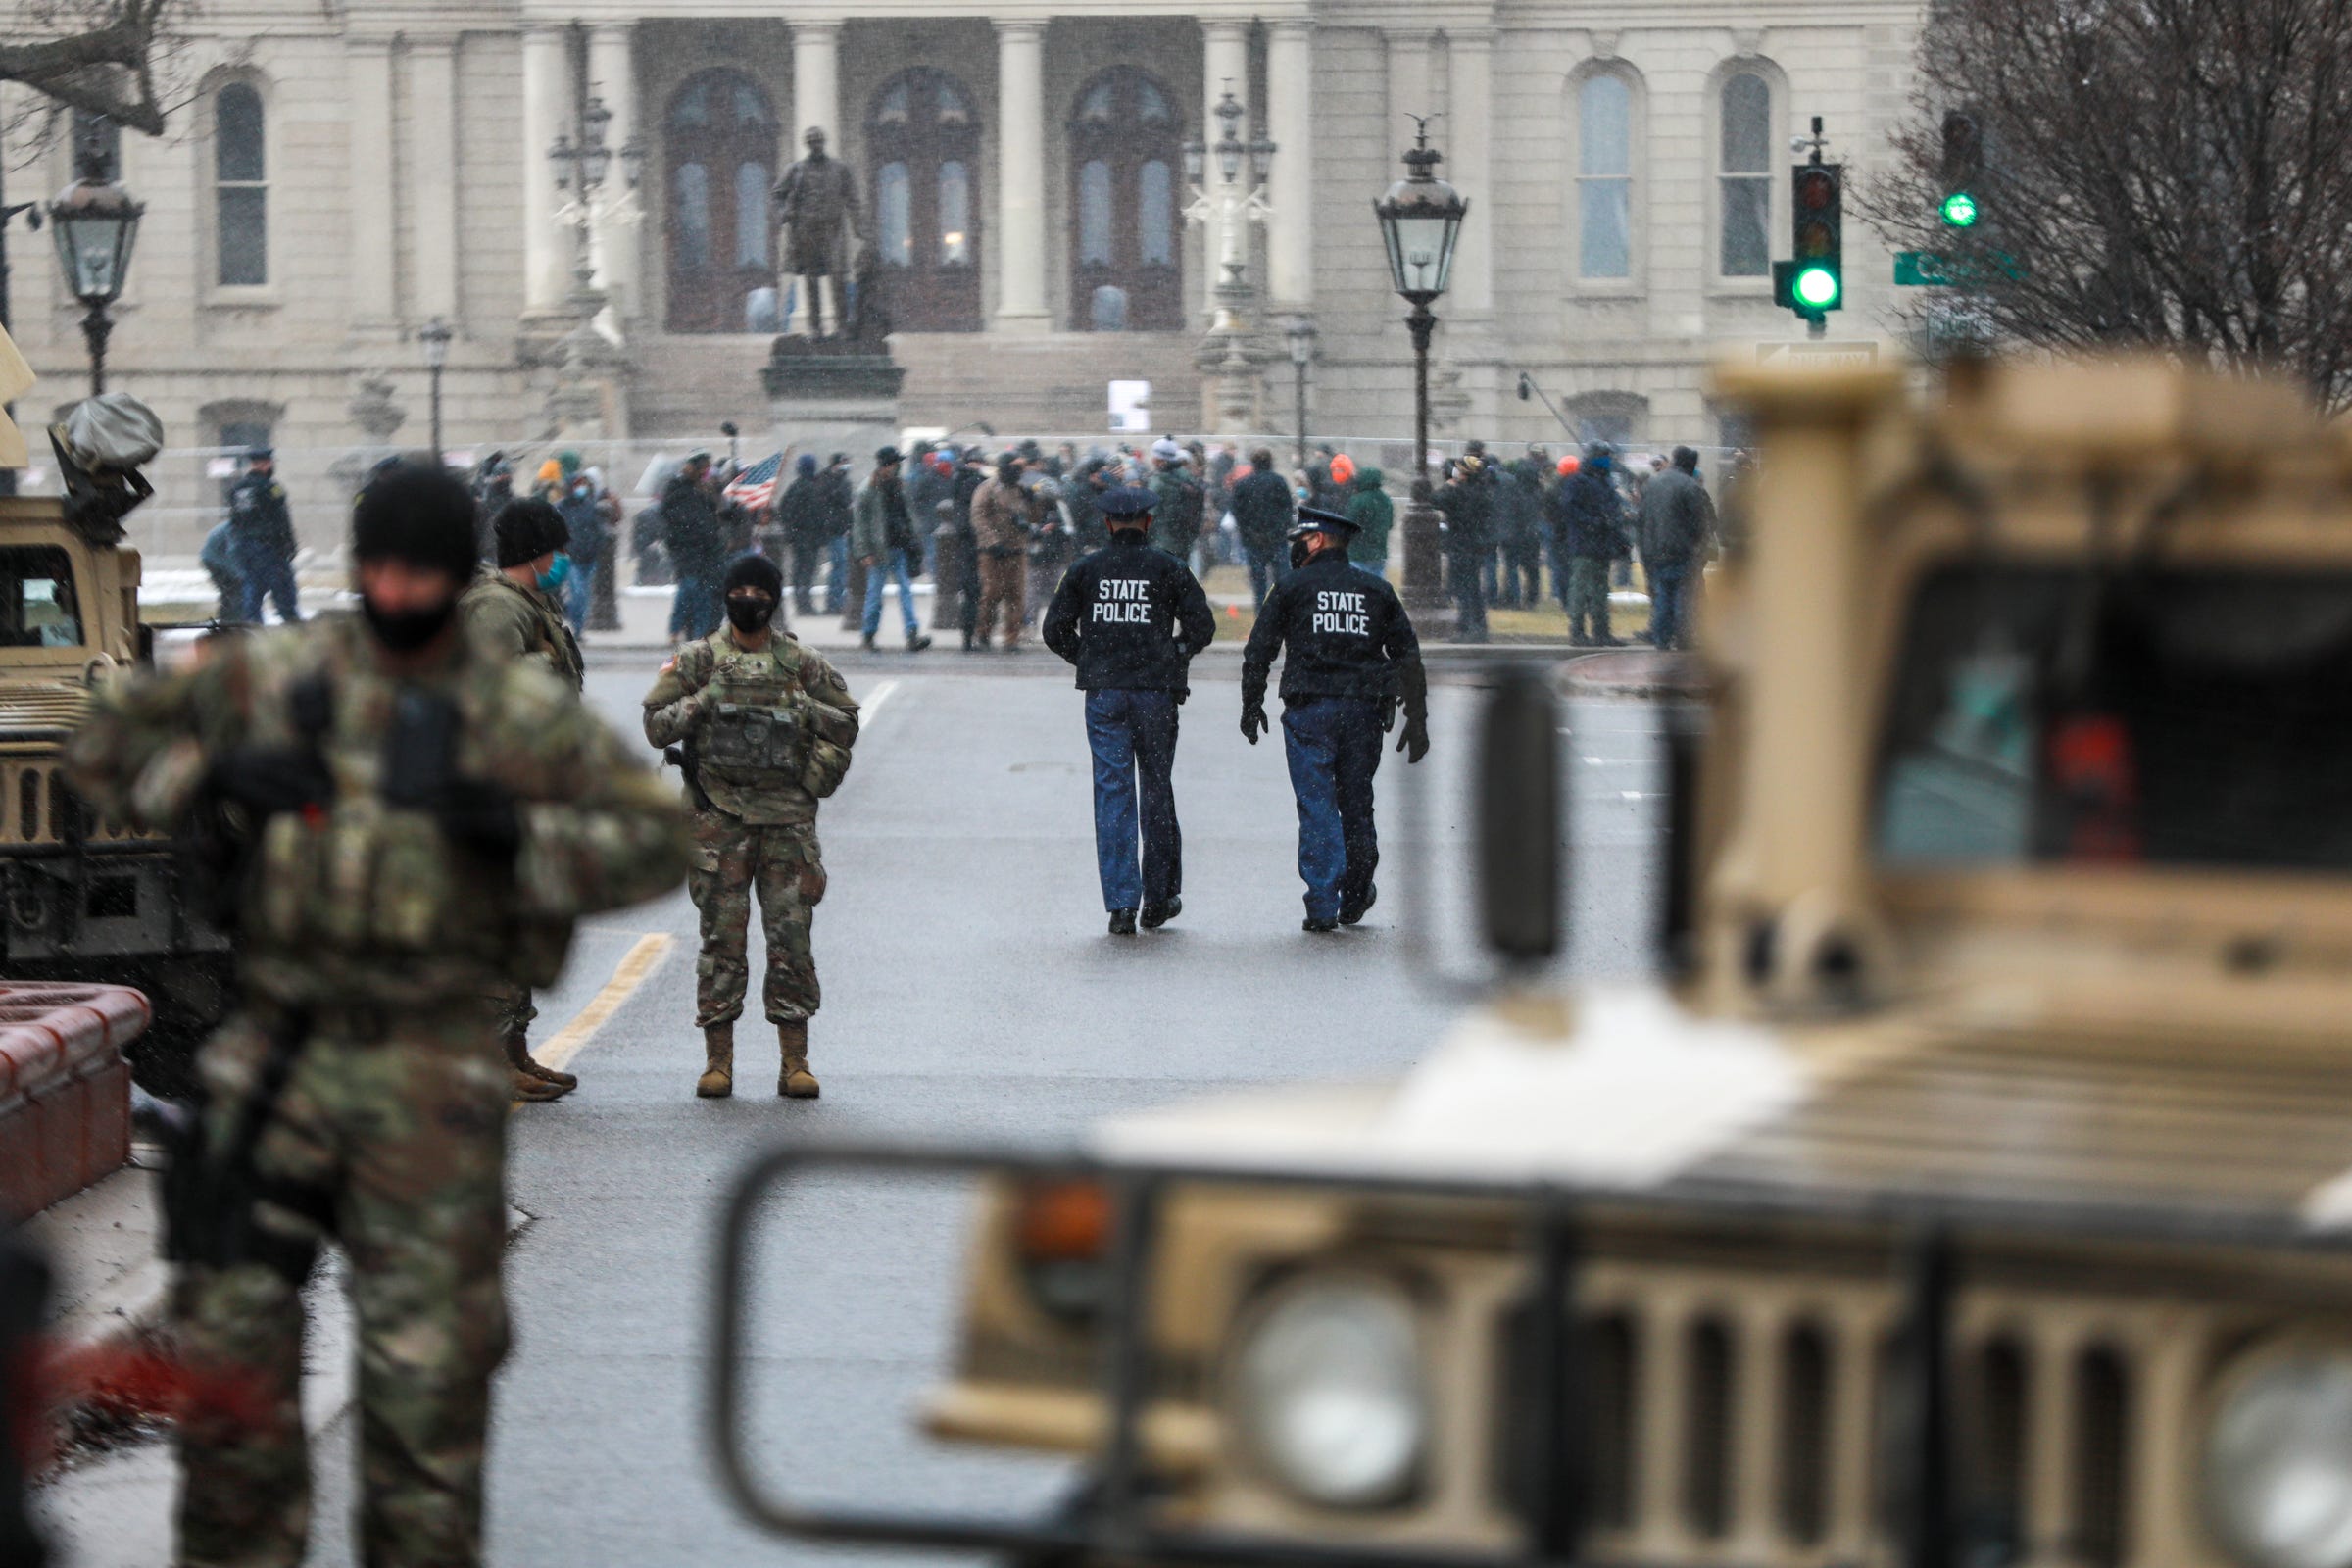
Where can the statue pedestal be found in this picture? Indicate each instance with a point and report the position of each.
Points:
(833, 394)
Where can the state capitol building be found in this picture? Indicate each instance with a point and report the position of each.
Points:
(340, 172)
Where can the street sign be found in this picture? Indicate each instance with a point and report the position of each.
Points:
(1818, 354)
(1926, 269)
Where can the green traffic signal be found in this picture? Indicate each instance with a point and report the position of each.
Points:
(1816, 288)
(1959, 210)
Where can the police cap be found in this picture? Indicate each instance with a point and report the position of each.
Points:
(1126, 502)
(260, 455)
(1314, 519)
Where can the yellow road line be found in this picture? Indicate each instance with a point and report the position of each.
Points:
(644, 956)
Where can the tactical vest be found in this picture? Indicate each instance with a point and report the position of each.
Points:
(756, 721)
(369, 879)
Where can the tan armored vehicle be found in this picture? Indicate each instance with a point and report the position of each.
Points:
(83, 898)
(1972, 1189)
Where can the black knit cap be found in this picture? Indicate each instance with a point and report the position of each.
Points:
(527, 528)
(754, 570)
(417, 512)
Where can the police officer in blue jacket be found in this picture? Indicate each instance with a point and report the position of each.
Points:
(1131, 618)
(1348, 657)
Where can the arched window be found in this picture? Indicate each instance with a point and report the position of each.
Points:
(923, 137)
(1743, 176)
(1605, 177)
(240, 188)
(1126, 267)
(720, 151)
(753, 183)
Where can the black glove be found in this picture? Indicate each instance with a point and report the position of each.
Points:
(1412, 693)
(266, 780)
(482, 816)
(1254, 722)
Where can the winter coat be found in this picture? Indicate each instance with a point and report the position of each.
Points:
(1678, 520)
(1370, 511)
(802, 512)
(1468, 505)
(1001, 517)
(1589, 517)
(1262, 510)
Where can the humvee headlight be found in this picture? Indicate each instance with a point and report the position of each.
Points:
(1328, 1392)
(2278, 1461)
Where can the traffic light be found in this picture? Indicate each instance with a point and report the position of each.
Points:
(1813, 283)
(1962, 170)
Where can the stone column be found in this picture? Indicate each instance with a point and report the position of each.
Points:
(816, 106)
(1225, 59)
(1291, 122)
(546, 110)
(433, 137)
(1021, 178)
(619, 247)
(374, 197)
(1467, 137)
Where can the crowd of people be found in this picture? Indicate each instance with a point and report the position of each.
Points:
(1005, 524)
(1014, 519)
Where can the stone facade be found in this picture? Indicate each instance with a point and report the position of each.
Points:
(406, 176)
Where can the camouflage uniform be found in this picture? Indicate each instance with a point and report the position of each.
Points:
(370, 935)
(513, 623)
(761, 830)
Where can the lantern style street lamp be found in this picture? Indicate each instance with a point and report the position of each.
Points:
(96, 222)
(583, 159)
(435, 335)
(1421, 223)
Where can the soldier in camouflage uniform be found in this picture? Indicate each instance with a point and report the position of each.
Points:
(419, 823)
(513, 611)
(766, 726)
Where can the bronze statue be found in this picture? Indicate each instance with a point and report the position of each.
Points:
(818, 201)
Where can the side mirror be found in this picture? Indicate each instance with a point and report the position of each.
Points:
(1522, 821)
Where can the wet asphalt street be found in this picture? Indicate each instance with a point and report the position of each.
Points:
(970, 994)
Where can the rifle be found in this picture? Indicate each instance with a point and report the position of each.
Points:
(686, 758)
(209, 1199)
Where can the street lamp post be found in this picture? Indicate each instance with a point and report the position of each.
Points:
(582, 159)
(1227, 355)
(1299, 334)
(96, 222)
(1421, 223)
(435, 335)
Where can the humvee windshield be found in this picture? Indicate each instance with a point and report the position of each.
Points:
(38, 608)
(2136, 716)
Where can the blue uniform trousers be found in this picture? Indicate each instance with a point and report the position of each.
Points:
(1333, 747)
(270, 575)
(1133, 734)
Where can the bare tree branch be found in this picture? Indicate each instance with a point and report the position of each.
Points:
(99, 56)
(2167, 172)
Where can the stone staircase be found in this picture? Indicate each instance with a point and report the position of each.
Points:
(1051, 384)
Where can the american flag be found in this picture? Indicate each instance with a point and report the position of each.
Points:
(755, 485)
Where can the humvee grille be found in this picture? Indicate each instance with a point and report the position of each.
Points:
(37, 806)
(1755, 1421)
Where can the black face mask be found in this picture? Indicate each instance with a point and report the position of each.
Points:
(749, 614)
(408, 630)
(1301, 548)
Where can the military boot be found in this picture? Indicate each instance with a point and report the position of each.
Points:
(718, 1081)
(796, 1081)
(527, 1084)
(519, 1057)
